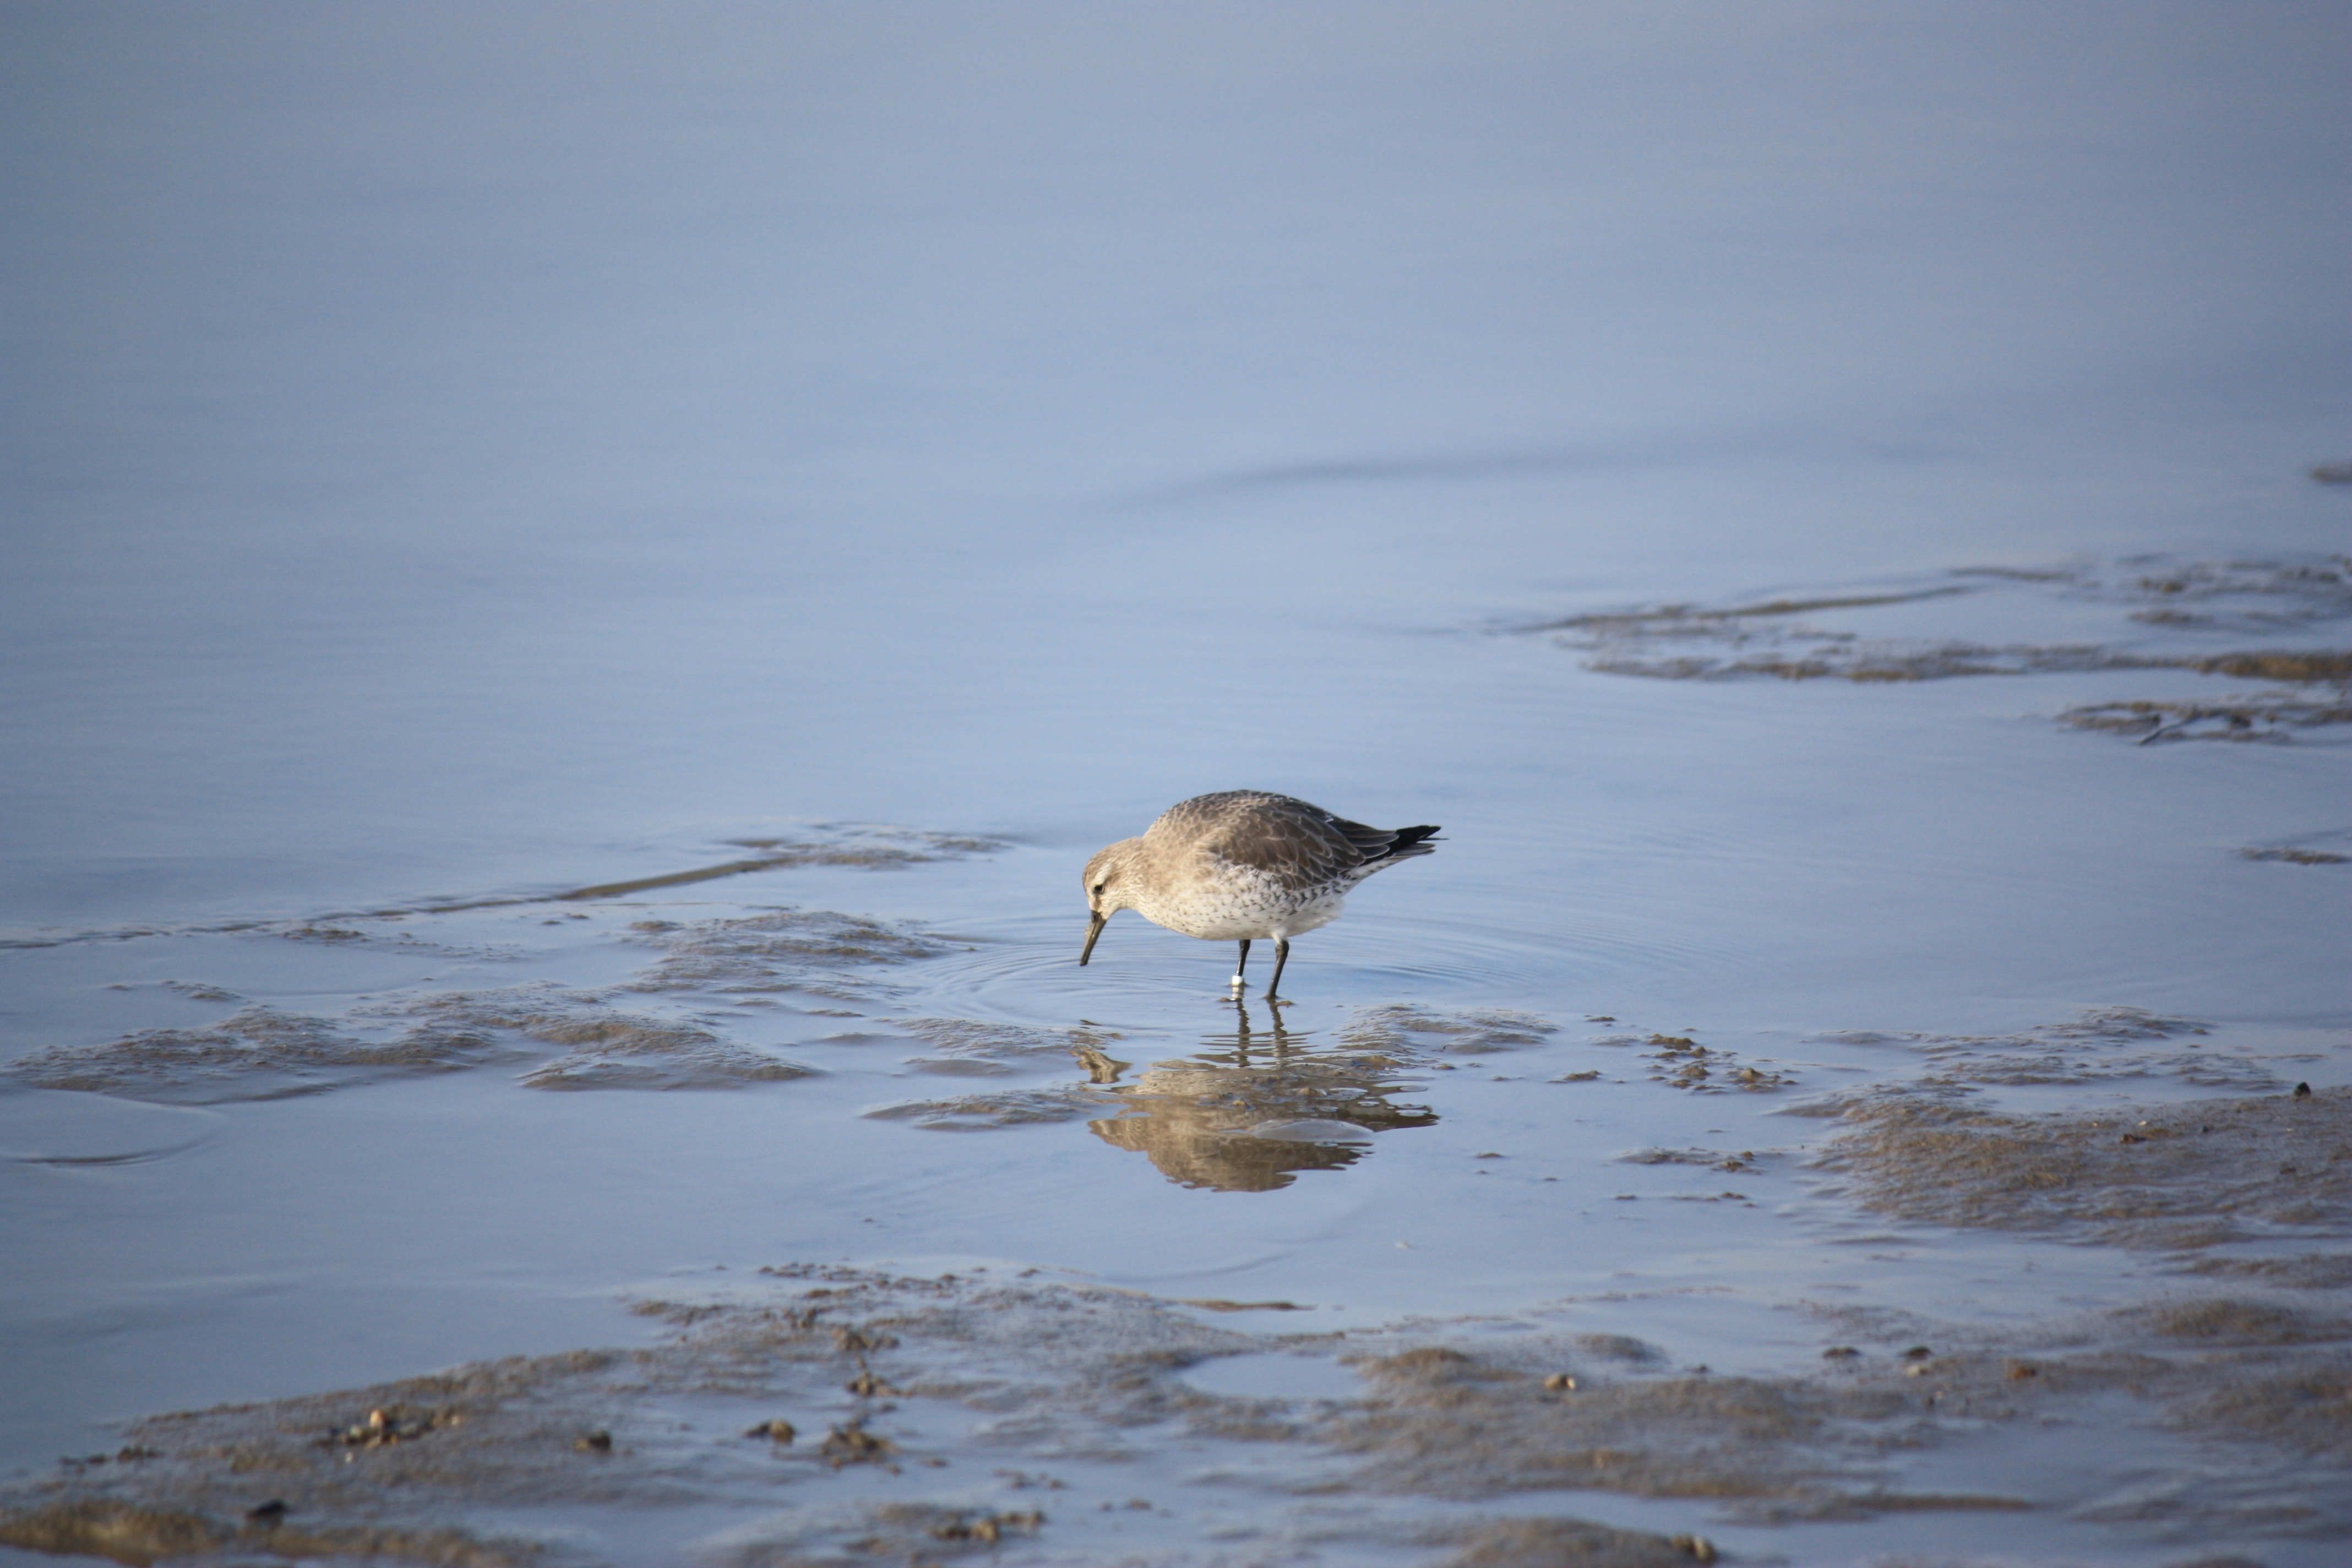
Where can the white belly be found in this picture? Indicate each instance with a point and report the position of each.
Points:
(1243, 903)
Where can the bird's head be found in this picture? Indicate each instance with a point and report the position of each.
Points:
(1109, 888)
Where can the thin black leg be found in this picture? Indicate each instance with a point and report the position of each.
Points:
(1281, 957)
(1243, 963)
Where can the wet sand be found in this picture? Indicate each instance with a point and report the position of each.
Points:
(787, 1420)
(988, 1407)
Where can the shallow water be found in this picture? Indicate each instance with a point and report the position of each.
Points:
(1816, 508)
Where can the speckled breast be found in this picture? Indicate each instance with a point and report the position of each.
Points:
(1220, 901)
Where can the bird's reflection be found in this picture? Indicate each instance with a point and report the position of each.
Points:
(1256, 1107)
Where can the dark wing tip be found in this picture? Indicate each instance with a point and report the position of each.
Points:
(1379, 844)
(1421, 840)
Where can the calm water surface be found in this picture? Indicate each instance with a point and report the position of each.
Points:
(460, 458)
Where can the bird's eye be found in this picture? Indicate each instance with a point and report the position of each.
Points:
(1100, 886)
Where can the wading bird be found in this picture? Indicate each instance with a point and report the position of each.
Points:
(1241, 866)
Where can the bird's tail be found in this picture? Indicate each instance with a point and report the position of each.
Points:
(1412, 841)
(1385, 845)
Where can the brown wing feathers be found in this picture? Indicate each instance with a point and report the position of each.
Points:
(1291, 836)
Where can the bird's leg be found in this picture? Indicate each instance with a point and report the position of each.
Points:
(1242, 965)
(1281, 957)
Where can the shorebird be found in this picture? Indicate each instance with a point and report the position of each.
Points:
(1241, 866)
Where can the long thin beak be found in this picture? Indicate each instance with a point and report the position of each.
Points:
(1094, 929)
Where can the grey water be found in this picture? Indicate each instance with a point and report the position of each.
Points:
(461, 456)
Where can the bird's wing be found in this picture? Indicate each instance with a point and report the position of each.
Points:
(1300, 843)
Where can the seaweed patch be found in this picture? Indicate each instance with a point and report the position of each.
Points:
(774, 950)
(2173, 609)
(256, 1053)
(2097, 1045)
(1401, 1026)
(2174, 1177)
(261, 1052)
(605, 1047)
(959, 1413)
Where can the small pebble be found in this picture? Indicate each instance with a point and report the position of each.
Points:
(852, 1445)
(596, 1442)
(270, 1512)
(1561, 1383)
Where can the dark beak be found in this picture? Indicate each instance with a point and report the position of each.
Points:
(1094, 929)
